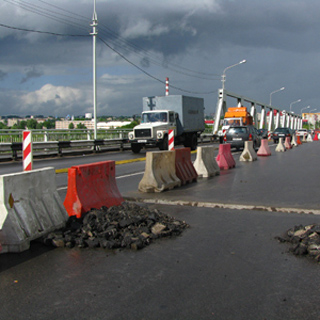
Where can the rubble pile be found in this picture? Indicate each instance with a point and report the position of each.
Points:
(126, 226)
(305, 240)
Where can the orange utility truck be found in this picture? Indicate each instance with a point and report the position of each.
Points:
(238, 116)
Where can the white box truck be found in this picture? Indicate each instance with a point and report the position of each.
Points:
(183, 114)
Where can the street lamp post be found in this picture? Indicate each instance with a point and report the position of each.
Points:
(94, 35)
(304, 109)
(275, 92)
(294, 103)
(223, 77)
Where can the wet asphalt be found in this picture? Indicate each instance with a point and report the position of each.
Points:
(227, 265)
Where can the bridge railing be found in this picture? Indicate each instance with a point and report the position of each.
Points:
(274, 119)
(57, 142)
(40, 135)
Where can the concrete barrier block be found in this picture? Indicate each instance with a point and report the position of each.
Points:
(264, 150)
(294, 142)
(160, 172)
(91, 186)
(30, 207)
(205, 163)
(185, 170)
(225, 158)
(280, 146)
(248, 153)
(287, 143)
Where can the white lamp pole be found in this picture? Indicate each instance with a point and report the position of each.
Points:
(294, 103)
(94, 35)
(304, 109)
(223, 77)
(275, 92)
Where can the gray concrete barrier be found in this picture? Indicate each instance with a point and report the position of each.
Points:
(248, 153)
(205, 163)
(30, 207)
(160, 172)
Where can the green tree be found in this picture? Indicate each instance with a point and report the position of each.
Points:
(39, 125)
(71, 125)
(31, 124)
(49, 124)
(21, 124)
(81, 126)
(3, 125)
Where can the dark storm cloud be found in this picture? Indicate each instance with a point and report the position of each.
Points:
(2, 75)
(278, 39)
(30, 73)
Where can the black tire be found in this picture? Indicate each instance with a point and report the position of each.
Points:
(136, 147)
(194, 142)
(164, 144)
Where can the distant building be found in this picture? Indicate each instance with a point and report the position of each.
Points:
(112, 124)
(64, 124)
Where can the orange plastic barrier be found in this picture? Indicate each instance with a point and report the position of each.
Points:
(185, 170)
(316, 137)
(298, 140)
(264, 150)
(224, 158)
(287, 143)
(91, 186)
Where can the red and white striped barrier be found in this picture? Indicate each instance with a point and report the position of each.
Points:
(171, 140)
(167, 86)
(27, 150)
(269, 135)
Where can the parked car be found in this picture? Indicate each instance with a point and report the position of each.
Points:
(302, 133)
(263, 133)
(282, 133)
(237, 136)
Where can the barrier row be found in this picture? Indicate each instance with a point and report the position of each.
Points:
(30, 206)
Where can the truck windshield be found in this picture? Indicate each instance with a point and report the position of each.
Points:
(229, 122)
(154, 117)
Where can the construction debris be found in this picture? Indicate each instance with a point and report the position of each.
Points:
(305, 240)
(126, 226)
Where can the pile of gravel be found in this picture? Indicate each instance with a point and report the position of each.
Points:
(305, 240)
(126, 226)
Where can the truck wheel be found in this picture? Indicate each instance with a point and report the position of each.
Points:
(164, 144)
(136, 147)
(194, 142)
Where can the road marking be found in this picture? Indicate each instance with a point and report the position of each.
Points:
(65, 170)
(202, 204)
(130, 175)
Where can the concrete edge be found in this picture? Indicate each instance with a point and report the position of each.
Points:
(201, 204)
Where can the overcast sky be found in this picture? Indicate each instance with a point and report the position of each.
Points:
(140, 43)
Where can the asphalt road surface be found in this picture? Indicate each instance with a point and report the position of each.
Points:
(227, 265)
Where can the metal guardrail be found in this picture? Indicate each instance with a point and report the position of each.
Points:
(41, 135)
(13, 150)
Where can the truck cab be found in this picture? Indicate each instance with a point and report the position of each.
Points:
(184, 115)
(153, 130)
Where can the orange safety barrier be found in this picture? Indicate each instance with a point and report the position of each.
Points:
(298, 140)
(91, 186)
(287, 143)
(264, 150)
(316, 138)
(224, 158)
(185, 170)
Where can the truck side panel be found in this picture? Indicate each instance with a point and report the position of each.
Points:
(190, 109)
